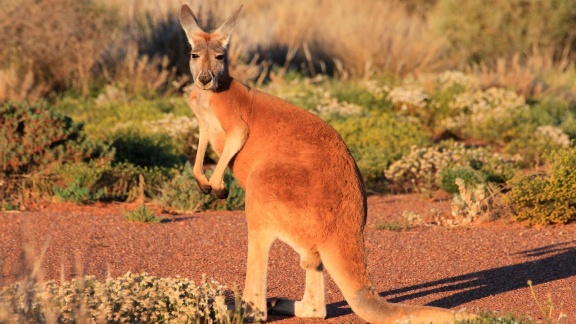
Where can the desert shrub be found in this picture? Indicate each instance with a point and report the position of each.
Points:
(546, 198)
(378, 140)
(543, 127)
(494, 115)
(36, 138)
(142, 214)
(146, 150)
(92, 181)
(470, 202)
(424, 100)
(496, 318)
(145, 132)
(55, 43)
(481, 30)
(363, 95)
(537, 143)
(77, 192)
(422, 169)
(556, 112)
(468, 175)
(114, 109)
(182, 193)
(132, 298)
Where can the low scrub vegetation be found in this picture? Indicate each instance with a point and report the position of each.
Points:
(132, 298)
(548, 197)
(104, 107)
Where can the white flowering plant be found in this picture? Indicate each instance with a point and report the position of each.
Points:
(132, 298)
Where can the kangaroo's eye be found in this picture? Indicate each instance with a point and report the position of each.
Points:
(195, 56)
(219, 57)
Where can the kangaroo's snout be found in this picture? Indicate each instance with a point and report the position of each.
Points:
(205, 78)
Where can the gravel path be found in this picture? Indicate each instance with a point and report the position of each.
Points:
(484, 267)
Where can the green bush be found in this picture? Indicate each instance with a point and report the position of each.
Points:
(470, 176)
(483, 30)
(147, 150)
(77, 192)
(547, 125)
(360, 95)
(182, 193)
(378, 140)
(132, 298)
(36, 138)
(146, 132)
(546, 198)
(92, 181)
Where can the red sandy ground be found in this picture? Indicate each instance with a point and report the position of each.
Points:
(481, 267)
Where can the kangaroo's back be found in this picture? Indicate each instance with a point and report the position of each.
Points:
(305, 156)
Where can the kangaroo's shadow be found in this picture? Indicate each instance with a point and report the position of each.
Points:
(555, 262)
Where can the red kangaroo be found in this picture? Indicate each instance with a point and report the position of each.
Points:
(302, 186)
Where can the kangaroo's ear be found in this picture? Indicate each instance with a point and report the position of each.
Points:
(228, 27)
(189, 22)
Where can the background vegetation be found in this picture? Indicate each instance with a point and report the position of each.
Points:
(92, 105)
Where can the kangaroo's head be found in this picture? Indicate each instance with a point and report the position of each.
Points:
(209, 57)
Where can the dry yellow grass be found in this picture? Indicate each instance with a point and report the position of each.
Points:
(144, 40)
(377, 36)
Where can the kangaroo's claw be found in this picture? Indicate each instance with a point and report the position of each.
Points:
(222, 193)
(205, 188)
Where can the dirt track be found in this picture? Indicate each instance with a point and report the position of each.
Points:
(483, 267)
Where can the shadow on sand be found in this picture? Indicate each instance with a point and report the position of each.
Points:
(555, 262)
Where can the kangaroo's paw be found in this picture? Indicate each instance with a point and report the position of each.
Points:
(203, 183)
(221, 193)
(206, 189)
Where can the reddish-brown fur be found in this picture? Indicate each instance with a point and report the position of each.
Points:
(302, 187)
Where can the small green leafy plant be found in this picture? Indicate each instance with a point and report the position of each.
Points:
(142, 214)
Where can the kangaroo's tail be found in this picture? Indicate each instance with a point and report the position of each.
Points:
(345, 261)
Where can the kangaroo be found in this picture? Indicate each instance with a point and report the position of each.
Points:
(302, 186)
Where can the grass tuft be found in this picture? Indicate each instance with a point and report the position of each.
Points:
(142, 214)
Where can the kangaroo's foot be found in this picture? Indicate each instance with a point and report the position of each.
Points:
(296, 308)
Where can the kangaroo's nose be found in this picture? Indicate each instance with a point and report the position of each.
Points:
(205, 78)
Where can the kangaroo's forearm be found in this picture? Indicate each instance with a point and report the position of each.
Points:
(234, 142)
(200, 153)
(198, 168)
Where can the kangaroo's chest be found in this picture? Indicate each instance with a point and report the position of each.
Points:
(212, 125)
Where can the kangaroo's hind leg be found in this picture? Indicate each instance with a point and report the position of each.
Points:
(313, 304)
(259, 244)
